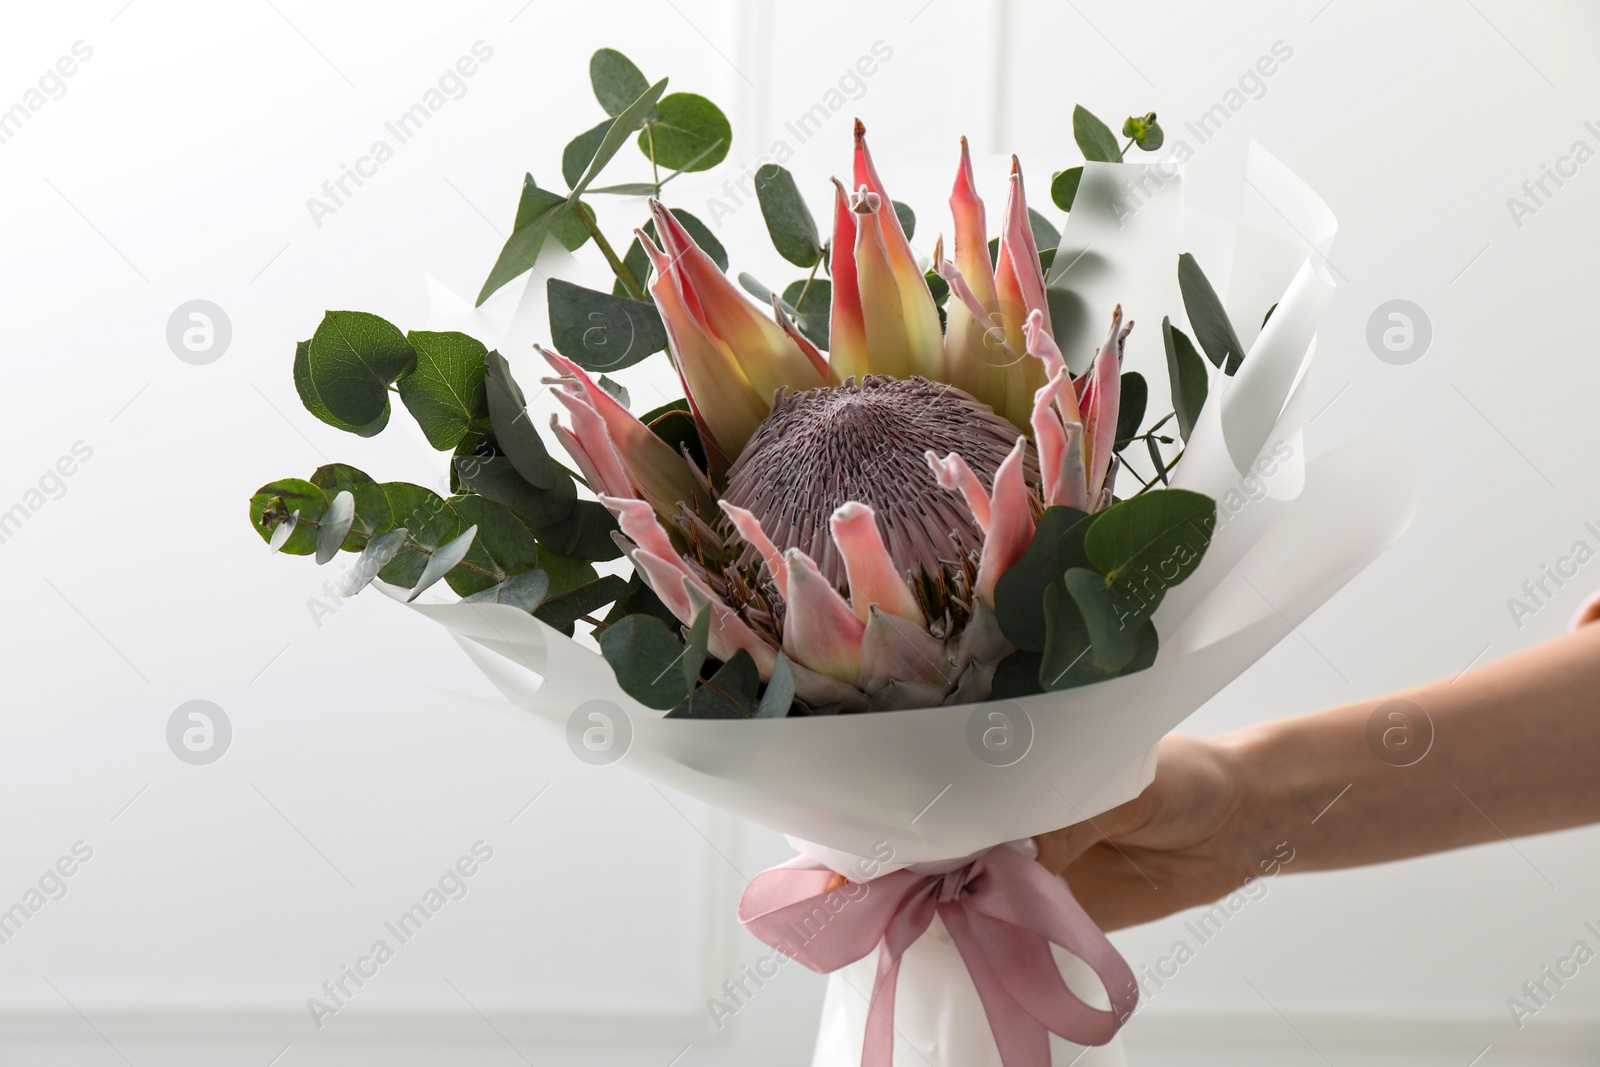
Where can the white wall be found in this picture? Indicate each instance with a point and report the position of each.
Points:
(365, 757)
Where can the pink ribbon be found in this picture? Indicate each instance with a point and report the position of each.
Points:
(1003, 911)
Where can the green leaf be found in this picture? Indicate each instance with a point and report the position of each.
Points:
(812, 313)
(430, 521)
(647, 660)
(585, 533)
(789, 222)
(779, 697)
(674, 424)
(1018, 595)
(616, 390)
(1095, 139)
(514, 431)
(1045, 235)
(285, 497)
(599, 331)
(1145, 131)
(907, 217)
(689, 132)
(503, 545)
(1070, 659)
(445, 393)
(1064, 187)
(561, 611)
(640, 599)
(540, 213)
(313, 401)
(568, 573)
(629, 119)
(1147, 544)
(372, 507)
(580, 151)
(1130, 410)
(1211, 326)
(525, 591)
(694, 647)
(493, 475)
(1115, 639)
(1017, 676)
(353, 357)
(616, 81)
(625, 189)
(730, 694)
(1187, 373)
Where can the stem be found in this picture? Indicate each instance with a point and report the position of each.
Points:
(1124, 152)
(655, 171)
(620, 269)
(806, 288)
(1165, 470)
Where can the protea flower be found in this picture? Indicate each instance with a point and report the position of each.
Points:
(856, 510)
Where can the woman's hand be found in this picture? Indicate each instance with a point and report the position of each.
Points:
(1180, 843)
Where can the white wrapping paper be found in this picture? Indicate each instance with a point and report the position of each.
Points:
(931, 784)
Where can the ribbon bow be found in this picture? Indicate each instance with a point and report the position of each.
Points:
(1003, 911)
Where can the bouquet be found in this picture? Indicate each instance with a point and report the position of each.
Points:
(907, 574)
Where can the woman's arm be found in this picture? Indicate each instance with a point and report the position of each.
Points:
(1515, 749)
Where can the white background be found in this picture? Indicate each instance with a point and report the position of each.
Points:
(365, 760)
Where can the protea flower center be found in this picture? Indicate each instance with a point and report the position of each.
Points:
(868, 442)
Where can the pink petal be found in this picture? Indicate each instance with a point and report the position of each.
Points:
(819, 630)
(954, 474)
(902, 323)
(596, 444)
(847, 331)
(1059, 445)
(590, 468)
(873, 578)
(665, 575)
(640, 525)
(728, 632)
(1010, 523)
(1100, 400)
(811, 352)
(749, 528)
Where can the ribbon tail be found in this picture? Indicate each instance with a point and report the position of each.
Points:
(877, 1049)
(1021, 1039)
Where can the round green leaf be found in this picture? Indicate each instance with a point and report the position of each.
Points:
(688, 133)
(353, 358)
(313, 400)
(431, 522)
(647, 660)
(1064, 187)
(599, 331)
(907, 217)
(616, 81)
(445, 393)
(282, 498)
(1135, 393)
(503, 545)
(580, 150)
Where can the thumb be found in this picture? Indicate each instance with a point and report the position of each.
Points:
(1060, 849)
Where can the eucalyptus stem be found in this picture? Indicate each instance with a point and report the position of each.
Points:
(655, 170)
(620, 269)
(1160, 475)
(1123, 154)
(407, 544)
(806, 288)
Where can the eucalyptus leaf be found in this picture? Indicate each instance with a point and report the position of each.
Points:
(575, 158)
(445, 393)
(283, 531)
(1018, 594)
(812, 314)
(789, 222)
(1045, 235)
(371, 506)
(1149, 543)
(379, 551)
(514, 431)
(1144, 131)
(616, 390)
(629, 119)
(503, 545)
(335, 524)
(688, 133)
(286, 497)
(1017, 676)
(313, 400)
(525, 591)
(694, 647)
(907, 217)
(431, 521)
(730, 693)
(779, 697)
(561, 611)
(600, 331)
(1211, 326)
(539, 213)
(1135, 394)
(442, 560)
(1095, 139)
(1187, 373)
(1064, 187)
(352, 359)
(647, 660)
(1114, 638)
(616, 81)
